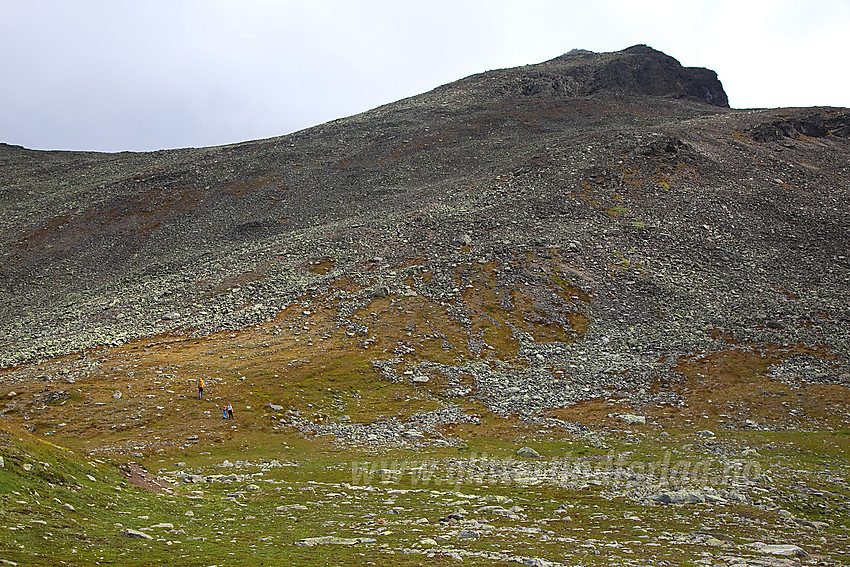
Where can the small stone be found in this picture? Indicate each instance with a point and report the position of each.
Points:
(163, 526)
(2, 463)
(333, 540)
(135, 534)
(12, 394)
(420, 379)
(275, 407)
(117, 395)
(527, 453)
(173, 316)
(192, 438)
(189, 513)
(706, 433)
(68, 507)
(288, 507)
(428, 541)
(464, 239)
(26, 466)
(468, 534)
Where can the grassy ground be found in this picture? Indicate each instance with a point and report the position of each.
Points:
(588, 501)
(62, 509)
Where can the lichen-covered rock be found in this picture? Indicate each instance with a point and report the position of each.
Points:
(527, 453)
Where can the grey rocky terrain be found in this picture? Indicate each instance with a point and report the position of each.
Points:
(676, 214)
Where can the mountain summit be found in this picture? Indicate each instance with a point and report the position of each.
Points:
(636, 71)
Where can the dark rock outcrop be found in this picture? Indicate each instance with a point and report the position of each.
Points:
(636, 71)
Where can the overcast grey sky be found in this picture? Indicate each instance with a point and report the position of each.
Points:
(115, 75)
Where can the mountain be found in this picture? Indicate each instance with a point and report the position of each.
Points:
(586, 286)
(607, 208)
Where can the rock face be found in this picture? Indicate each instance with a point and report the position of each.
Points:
(638, 70)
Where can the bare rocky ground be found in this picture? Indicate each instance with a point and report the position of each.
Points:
(593, 257)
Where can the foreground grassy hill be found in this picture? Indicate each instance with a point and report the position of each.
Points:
(649, 497)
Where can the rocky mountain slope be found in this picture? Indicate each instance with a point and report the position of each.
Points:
(467, 325)
(622, 177)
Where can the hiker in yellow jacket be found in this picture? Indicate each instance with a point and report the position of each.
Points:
(200, 388)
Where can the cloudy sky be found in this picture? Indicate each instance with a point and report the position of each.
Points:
(114, 75)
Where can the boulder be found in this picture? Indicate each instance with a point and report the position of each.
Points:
(785, 550)
(632, 419)
(135, 534)
(413, 435)
(680, 497)
(380, 291)
(527, 453)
